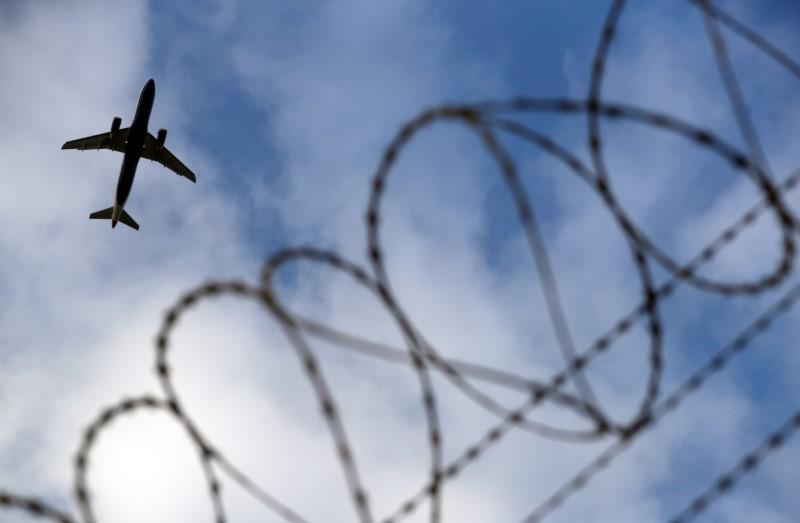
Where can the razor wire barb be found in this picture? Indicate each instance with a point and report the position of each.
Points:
(489, 121)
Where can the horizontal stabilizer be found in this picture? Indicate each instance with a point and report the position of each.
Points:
(128, 220)
(105, 214)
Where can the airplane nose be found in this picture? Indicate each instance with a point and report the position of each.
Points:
(149, 88)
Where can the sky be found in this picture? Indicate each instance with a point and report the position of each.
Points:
(283, 110)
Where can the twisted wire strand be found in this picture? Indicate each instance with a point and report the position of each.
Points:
(468, 370)
(681, 273)
(452, 370)
(698, 135)
(734, 91)
(488, 120)
(414, 346)
(33, 507)
(600, 346)
(209, 454)
(712, 367)
(755, 166)
(603, 185)
(90, 437)
(746, 465)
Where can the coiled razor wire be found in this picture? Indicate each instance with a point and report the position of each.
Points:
(487, 119)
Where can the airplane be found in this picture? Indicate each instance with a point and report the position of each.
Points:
(135, 142)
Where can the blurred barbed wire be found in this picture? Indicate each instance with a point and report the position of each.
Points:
(488, 120)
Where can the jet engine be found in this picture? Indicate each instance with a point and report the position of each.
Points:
(115, 123)
(161, 138)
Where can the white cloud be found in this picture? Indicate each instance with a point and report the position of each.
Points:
(334, 84)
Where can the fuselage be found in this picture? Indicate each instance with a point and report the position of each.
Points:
(133, 149)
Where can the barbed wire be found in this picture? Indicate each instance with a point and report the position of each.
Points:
(489, 120)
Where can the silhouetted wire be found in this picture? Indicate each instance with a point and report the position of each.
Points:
(734, 93)
(714, 365)
(748, 34)
(755, 166)
(467, 370)
(451, 369)
(106, 417)
(702, 138)
(423, 358)
(210, 455)
(414, 346)
(747, 464)
(33, 507)
(600, 346)
(616, 111)
(257, 492)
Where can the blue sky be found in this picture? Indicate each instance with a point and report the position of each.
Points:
(283, 110)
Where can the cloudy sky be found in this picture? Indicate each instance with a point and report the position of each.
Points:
(283, 110)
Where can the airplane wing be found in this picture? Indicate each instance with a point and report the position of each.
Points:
(162, 155)
(101, 141)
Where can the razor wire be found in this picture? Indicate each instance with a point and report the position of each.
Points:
(491, 122)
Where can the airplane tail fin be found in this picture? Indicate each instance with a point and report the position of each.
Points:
(106, 214)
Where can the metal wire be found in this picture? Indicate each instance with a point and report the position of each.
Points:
(490, 121)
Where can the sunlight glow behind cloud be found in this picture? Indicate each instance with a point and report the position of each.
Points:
(326, 88)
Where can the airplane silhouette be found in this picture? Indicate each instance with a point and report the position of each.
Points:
(135, 142)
